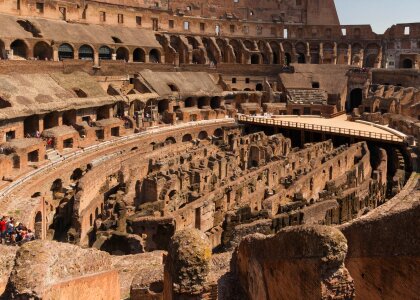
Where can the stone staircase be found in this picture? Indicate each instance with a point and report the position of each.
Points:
(303, 96)
(53, 155)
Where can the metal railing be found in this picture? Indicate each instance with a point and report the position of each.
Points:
(322, 128)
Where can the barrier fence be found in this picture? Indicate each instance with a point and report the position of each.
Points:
(322, 128)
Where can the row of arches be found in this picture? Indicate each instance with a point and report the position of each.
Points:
(43, 51)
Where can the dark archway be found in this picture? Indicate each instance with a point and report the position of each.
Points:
(86, 52)
(301, 58)
(203, 135)
(218, 132)
(370, 61)
(187, 138)
(163, 105)
(215, 102)
(122, 54)
(255, 59)
(190, 102)
(105, 53)
(43, 51)
(356, 97)
(19, 48)
(407, 63)
(203, 102)
(65, 51)
(287, 59)
(31, 125)
(139, 55)
(154, 56)
(259, 87)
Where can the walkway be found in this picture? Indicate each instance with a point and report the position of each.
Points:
(121, 140)
(336, 126)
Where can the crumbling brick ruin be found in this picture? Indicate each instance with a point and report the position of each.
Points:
(207, 150)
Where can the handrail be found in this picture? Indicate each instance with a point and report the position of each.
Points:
(323, 128)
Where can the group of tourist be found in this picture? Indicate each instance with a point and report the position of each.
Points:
(14, 233)
(36, 134)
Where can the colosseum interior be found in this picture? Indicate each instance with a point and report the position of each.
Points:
(207, 150)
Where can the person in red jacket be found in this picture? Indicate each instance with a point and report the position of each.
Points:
(3, 227)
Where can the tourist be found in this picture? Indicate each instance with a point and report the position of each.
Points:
(3, 227)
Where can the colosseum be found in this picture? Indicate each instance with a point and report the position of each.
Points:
(207, 150)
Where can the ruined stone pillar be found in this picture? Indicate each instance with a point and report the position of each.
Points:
(187, 266)
(60, 118)
(335, 54)
(55, 55)
(41, 123)
(96, 58)
(349, 58)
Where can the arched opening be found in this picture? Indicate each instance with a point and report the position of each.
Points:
(187, 138)
(215, 102)
(202, 102)
(154, 56)
(255, 59)
(163, 105)
(287, 59)
(105, 53)
(50, 120)
(2, 50)
(86, 52)
(170, 141)
(139, 55)
(259, 87)
(69, 117)
(77, 174)
(31, 125)
(301, 58)
(190, 102)
(65, 51)
(4, 103)
(218, 132)
(38, 225)
(275, 58)
(122, 54)
(203, 135)
(370, 61)
(356, 97)
(198, 58)
(20, 49)
(330, 173)
(42, 51)
(407, 63)
(56, 187)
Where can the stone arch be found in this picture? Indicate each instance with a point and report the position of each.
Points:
(187, 138)
(215, 102)
(190, 102)
(69, 117)
(287, 58)
(163, 105)
(43, 51)
(31, 125)
(20, 48)
(407, 64)
(342, 53)
(237, 50)
(198, 57)
(86, 52)
(56, 186)
(250, 45)
(154, 56)
(170, 140)
(314, 52)
(370, 60)
(202, 102)
(355, 99)
(105, 53)
(301, 58)
(203, 135)
(276, 53)
(65, 51)
(139, 55)
(255, 59)
(122, 54)
(259, 87)
(222, 44)
(218, 132)
(77, 174)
